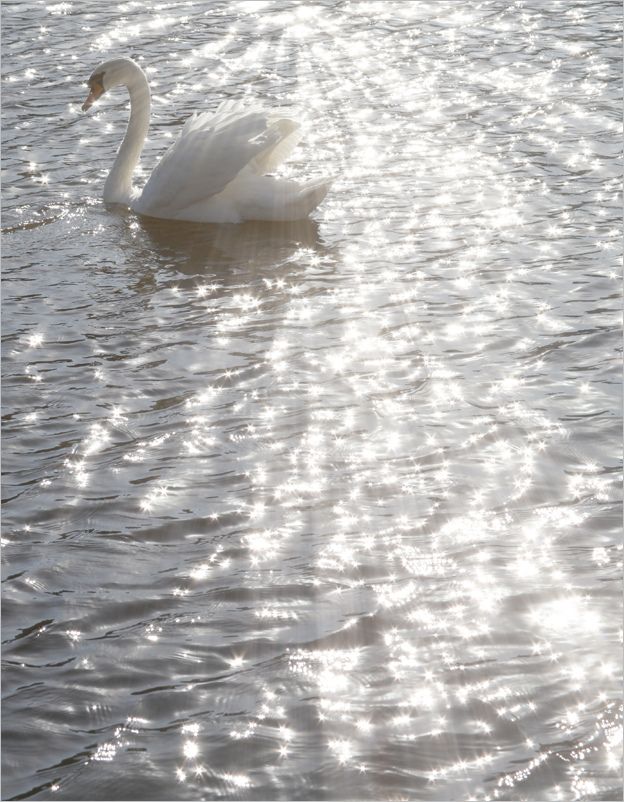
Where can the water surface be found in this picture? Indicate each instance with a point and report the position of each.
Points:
(326, 510)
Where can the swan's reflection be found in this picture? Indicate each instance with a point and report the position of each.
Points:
(250, 247)
(251, 253)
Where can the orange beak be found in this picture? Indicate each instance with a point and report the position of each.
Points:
(96, 91)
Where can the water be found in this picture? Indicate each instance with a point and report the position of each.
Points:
(325, 510)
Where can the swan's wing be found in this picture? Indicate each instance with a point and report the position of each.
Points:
(210, 152)
(273, 156)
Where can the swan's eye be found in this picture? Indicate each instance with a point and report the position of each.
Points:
(96, 83)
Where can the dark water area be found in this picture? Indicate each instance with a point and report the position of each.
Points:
(328, 509)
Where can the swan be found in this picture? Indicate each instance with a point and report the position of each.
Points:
(216, 170)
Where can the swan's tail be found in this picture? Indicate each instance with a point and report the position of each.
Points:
(311, 194)
(267, 198)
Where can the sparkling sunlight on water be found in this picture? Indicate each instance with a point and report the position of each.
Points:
(328, 509)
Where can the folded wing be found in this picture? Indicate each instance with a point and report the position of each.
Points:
(210, 152)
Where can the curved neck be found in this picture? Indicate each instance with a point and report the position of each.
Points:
(118, 186)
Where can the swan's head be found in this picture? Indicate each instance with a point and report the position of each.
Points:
(116, 72)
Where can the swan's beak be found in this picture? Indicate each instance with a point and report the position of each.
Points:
(96, 87)
(93, 95)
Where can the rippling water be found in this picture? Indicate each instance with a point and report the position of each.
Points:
(326, 510)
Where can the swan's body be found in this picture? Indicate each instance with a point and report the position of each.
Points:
(216, 171)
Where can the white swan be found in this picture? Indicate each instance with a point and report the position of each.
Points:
(215, 172)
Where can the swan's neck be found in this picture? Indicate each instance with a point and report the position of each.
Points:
(118, 186)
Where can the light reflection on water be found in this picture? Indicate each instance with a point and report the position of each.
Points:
(323, 510)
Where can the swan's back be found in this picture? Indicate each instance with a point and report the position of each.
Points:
(215, 171)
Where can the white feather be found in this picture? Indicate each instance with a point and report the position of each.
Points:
(216, 170)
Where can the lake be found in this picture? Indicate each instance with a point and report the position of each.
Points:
(328, 509)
